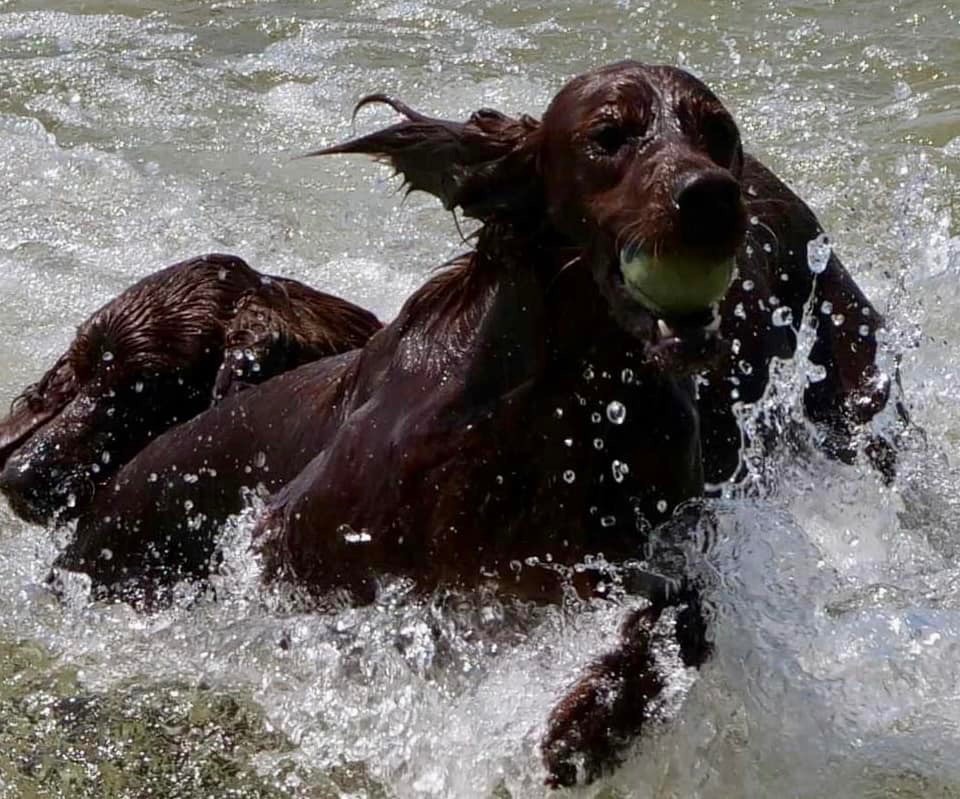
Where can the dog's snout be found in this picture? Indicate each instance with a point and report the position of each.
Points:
(36, 493)
(18, 485)
(710, 208)
(706, 192)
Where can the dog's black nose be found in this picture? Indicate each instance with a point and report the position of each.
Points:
(18, 484)
(710, 207)
(38, 492)
(703, 193)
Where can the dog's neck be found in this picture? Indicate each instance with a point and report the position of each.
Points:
(522, 306)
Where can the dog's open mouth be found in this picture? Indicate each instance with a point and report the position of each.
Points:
(688, 343)
(670, 301)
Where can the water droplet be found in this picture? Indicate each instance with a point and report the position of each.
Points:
(616, 412)
(499, 479)
(754, 220)
(902, 90)
(818, 253)
(826, 307)
(782, 316)
(620, 470)
(188, 505)
(748, 285)
(569, 475)
(568, 442)
(816, 372)
(71, 500)
(260, 460)
(105, 457)
(739, 311)
(190, 478)
(138, 386)
(627, 376)
(352, 536)
(608, 521)
(838, 319)
(767, 247)
(662, 506)
(746, 367)
(558, 413)
(107, 356)
(152, 478)
(595, 417)
(735, 394)
(588, 373)
(864, 330)
(106, 554)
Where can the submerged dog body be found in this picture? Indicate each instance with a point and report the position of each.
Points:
(495, 438)
(154, 356)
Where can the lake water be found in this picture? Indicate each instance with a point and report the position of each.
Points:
(137, 132)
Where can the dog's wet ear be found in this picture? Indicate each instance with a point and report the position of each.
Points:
(37, 405)
(487, 165)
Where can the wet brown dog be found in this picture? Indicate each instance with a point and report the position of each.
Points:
(530, 408)
(533, 405)
(154, 356)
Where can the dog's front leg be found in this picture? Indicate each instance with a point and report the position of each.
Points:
(599, 716)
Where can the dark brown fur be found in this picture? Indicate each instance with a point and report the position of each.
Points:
(154, 356)
(774, 273)
(469, 441)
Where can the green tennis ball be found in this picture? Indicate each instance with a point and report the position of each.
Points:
(675, 284)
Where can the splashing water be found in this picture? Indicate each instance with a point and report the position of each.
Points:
(133, 135)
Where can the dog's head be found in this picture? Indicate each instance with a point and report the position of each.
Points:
(638, 166)
(138, 365)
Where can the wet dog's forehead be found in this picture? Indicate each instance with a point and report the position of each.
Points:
(631, 89)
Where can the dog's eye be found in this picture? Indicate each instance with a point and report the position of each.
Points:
(610, 138)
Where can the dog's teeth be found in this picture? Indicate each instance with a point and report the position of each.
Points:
(716, 316)
(664, 329)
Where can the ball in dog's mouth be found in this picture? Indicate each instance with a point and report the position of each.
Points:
(675, 286)
(681, 292)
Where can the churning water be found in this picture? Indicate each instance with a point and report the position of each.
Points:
(137, 132)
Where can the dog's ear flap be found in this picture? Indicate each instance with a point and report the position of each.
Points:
(487, 165)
